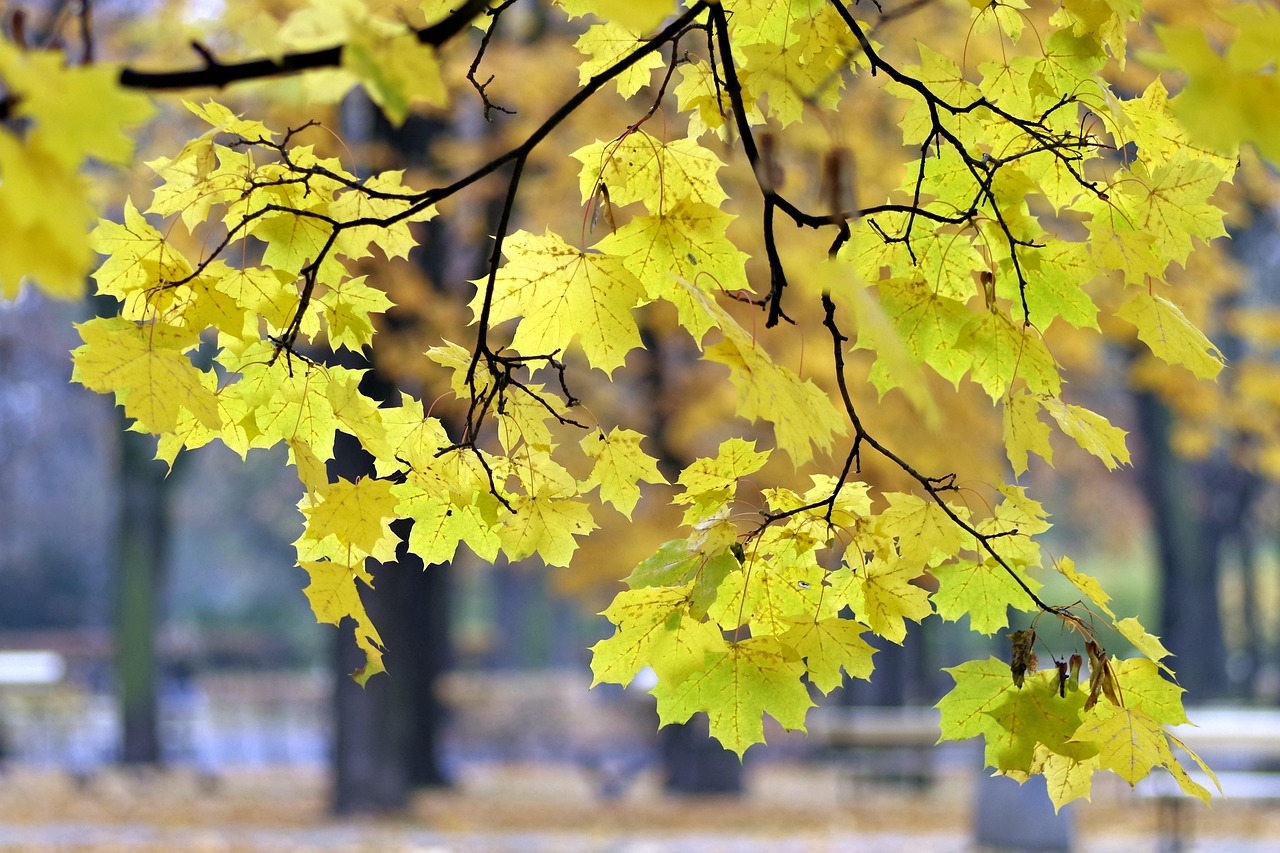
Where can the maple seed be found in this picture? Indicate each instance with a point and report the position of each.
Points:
(1024, 656)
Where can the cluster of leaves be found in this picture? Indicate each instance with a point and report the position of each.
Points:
(1028, 178)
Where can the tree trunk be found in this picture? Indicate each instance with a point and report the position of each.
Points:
(1190, 621)
(692, 761)
(386, 734)
(142, 543)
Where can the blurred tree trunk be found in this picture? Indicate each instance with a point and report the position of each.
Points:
(142, 544)
(692, 761)
(386, 735)
(1188, 550)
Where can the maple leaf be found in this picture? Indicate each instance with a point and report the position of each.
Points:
(653, 629)
(604, 45)
(565, 294)
(980, 688)
(984, 590)
(1086, 584)
(1002, 351)
(1091, 431)
(620, 466)
(1171, 204)
(924, 531)
(395, 68)
(735, 687)
(347, 310)
(769, 594)
(1066, 777)
(1149, 644)
(1171, 336)
(929, 325)
(138, 257)
(660, 175)
(882, 595)
(735, 459)
(358, 515)
(802, 414)
(1129, 742)
(545, 524)
(1038, 714)
(830, 646)
(333, 595)
(1024, 432)
(686, 244)
(146, 369)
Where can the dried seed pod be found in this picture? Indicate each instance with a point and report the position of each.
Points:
(1024, 656)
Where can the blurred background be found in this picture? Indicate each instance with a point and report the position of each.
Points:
(161, 673)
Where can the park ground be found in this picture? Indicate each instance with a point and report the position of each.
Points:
(789, 808)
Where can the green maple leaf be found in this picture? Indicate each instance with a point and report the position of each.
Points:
(565, 294)
(882, 595)
(736, 687)
(620, 466)
(980, 688)
(1038, 714)
(830, 646)
(984, 590)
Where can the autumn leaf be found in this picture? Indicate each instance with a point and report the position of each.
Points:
(620, 467)
(565, 294)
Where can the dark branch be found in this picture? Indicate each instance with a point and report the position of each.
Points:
(216, 74)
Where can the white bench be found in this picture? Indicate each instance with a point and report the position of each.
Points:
(905, 736)
(1236, 743)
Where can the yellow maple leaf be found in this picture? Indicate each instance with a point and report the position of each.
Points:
(146, 369)
(565, 294)
(620, 466)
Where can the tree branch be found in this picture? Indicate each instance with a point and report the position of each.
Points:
(215, 74)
